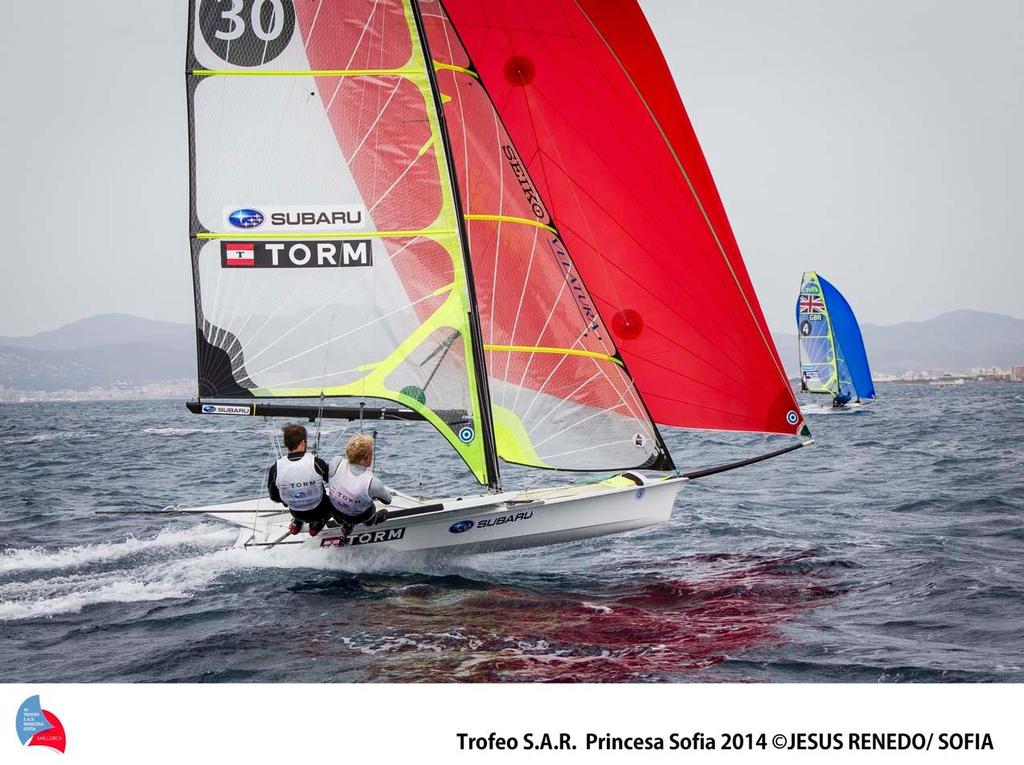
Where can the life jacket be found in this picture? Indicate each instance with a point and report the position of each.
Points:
(348, 492)
(301, 487)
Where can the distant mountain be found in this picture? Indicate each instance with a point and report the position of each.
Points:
(954, 341)
(116, 349)
(111, 349)
(107, 329)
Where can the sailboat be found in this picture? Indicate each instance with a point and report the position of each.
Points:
(490, 218)
(833, 359)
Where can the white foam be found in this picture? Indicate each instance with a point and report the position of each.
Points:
(40, 559)
(41, 438)
(179, 578)
(184, 573)
(179, 431)
(73, 602)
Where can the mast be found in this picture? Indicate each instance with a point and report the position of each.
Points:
(475, 332)
(800, 339)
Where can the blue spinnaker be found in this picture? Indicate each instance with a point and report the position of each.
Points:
(848, 338)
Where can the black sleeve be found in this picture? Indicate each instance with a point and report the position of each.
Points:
(275, 495)
(321, 468)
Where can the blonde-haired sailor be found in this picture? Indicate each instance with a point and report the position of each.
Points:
(352, 486)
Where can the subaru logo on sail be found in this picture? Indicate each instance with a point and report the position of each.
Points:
(245, 218)
(459, 526)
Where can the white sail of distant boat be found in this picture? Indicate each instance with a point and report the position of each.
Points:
(391, 204)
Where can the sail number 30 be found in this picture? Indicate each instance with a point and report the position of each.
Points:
(234, 16)
(247, 32)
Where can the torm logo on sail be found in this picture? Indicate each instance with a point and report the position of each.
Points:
(321, 253)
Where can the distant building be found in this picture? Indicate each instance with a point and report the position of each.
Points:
(1017, 374)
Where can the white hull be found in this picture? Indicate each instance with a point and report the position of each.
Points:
(854, 407)
(475, 524)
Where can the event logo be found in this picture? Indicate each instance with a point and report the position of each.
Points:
(39, 727)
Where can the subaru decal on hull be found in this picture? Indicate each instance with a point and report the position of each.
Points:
(459, 526)
(505, 519)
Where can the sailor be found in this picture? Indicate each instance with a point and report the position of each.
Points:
(352, 486)
(297, 481)
(841, 399)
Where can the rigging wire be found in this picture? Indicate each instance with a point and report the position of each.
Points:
(273, 454)
(323, 378)
(272, 457)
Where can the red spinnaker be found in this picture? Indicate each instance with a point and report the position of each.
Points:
(586, 96)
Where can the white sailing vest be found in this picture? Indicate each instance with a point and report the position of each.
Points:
(350, 493)
(300, 485)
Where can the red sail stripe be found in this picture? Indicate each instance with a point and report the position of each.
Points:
(585, 93)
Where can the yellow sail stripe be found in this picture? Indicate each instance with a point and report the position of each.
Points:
(246, 235)
(512, 219)
(559, 351)
(307, 73)
(438, 66)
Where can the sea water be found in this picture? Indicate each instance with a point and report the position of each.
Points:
(891, 550)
